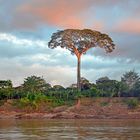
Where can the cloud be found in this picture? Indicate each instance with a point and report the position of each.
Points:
(57, 13)
(60, 14)
(15, 40)
(13, 46)
(58, 66)
(130, 25)
(31, 52)
(52, 74)
(64, 74)
(27, 27)
(30, 15)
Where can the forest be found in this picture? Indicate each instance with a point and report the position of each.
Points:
(36, 90)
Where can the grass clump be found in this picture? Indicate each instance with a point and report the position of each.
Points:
(104, 103)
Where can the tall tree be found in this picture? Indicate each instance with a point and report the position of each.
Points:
(78, 42)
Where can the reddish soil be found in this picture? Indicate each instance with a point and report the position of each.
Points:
(100, 108)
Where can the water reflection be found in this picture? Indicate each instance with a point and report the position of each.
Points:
(69, 129)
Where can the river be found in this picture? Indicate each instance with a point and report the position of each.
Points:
(69, 129)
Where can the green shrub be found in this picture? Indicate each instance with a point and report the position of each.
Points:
(57, 102)
(132, 103)
(23, 102)
(30, 97)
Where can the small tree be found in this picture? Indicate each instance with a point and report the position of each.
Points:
(106, 86)
(6, 84)
(78, 42)
(132, 81)
(85, 84)
(6, 89)
(130, 78)
(35, 84)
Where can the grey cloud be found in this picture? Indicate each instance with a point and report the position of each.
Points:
(16, 69)
(9, 50)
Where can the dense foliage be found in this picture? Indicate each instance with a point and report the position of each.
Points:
(35, 89)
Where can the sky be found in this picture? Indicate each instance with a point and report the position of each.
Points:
(26, 27)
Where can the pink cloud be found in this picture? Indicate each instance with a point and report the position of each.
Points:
(64, 13)
(130, 25)
(98, 25)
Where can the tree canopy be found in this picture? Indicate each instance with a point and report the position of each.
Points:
(79, 41)
(35, 84)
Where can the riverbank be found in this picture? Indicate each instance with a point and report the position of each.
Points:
(89, 108)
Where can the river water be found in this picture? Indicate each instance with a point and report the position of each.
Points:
(69, 129)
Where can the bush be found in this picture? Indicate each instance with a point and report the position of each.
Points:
(24, 102)
(57, 102)
(132, 103)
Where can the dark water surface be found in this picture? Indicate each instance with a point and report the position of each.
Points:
(69, 129)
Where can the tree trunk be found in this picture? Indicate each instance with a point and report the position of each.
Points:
(78, 103)
(79, 74)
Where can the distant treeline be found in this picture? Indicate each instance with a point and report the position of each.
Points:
(129, 86)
